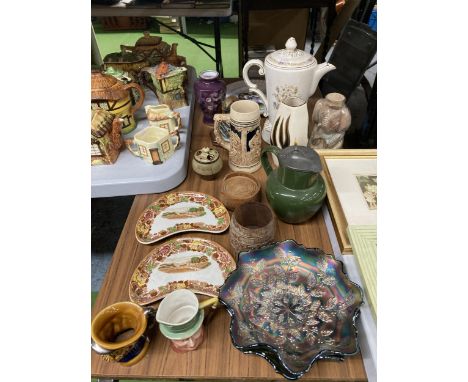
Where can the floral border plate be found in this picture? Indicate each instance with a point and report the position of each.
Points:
(197, 264)
(292, 305)
(181, 212)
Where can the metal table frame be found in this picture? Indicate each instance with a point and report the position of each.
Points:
(120, 9)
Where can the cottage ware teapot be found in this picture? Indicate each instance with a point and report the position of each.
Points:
(110, 94)
(295, 190)
(288, 72)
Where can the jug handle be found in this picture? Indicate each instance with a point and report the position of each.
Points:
(139, 90)
(219, 139)
(265, 162)
(131, 146)
(253, 87)
(177, 138)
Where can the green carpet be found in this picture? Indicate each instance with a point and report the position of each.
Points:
(110, 41)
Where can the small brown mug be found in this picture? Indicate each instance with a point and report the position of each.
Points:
(252, 226)
(120, 332)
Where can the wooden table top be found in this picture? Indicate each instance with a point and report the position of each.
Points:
(217, 358)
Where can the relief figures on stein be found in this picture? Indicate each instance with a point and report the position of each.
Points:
(368, 185)
(292, 305)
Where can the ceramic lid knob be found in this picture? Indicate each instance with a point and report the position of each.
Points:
(291, 44)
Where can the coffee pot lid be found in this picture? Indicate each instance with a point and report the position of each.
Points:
(291, 57)
(300, 158)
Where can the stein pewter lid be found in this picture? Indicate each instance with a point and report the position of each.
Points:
(300, 158)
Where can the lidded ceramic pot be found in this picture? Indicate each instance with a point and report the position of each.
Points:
(110, 94)
(210, 91)
(289, 72)
(151, 48)
(295, 189)
(331, 119)
(207, 163)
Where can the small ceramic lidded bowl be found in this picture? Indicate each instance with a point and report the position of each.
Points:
(207, 163)
(120, 332)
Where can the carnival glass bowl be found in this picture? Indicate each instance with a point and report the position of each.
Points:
(292, 305)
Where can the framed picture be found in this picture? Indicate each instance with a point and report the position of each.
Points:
(351, 179)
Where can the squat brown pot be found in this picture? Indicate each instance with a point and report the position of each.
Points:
(252, 226)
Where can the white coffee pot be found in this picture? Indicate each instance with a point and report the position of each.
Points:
(289, 72)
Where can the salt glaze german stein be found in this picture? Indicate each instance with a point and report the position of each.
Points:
(244, 144)
(121, 332)
(180, 317)
(295, 189)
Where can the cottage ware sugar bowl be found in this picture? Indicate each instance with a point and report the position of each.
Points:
(288, 72)
(207, 163)
(110, 94)
(295, 190)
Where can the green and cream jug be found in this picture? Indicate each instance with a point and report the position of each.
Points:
(295, 189)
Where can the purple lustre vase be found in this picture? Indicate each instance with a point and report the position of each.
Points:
(210, 92)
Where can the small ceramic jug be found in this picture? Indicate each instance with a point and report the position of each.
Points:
(210, 92)
(162, 116)
(180, 317)
(331, 119)
(295, 190)
(291, 125)
(121, 332)
(110, 94)
(244, 144)
(154, 144)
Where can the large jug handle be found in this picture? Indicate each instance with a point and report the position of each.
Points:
(265, 162)
(253, 87)
(219, 139)
(139, 90)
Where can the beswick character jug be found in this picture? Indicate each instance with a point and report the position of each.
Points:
(289, 72)
(295, 189)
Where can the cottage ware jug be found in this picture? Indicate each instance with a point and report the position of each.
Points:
(291, 125)
(295, 190)
(154, 144)
(244, 144)
(288, 72)
(162, 116)
(110, 94)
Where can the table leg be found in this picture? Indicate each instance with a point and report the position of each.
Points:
(331, 14)
(217, 36)
(313, 27)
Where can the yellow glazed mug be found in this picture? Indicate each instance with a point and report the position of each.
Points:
(123, 107)
(121, 332)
